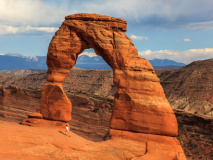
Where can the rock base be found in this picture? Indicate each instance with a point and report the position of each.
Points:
(36, 120)
(157, 147)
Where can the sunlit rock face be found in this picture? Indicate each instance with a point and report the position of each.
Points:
(54, 103)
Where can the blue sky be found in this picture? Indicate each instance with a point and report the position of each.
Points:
(180, 30)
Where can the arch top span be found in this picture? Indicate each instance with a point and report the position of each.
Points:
(112, 21)
(102, 33)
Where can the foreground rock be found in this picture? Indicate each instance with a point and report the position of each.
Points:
(141, 110)
(23, 142)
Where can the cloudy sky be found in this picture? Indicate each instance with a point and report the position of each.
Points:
(180, 30)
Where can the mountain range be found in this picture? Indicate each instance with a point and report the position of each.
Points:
(97, 62)
(18, 61)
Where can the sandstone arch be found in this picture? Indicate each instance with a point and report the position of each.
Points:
(141, 111)
(139, 105)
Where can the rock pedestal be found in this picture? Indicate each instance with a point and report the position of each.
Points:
(140, 105)
(54, 103)
(55, 108)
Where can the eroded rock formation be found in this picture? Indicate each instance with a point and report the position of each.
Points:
(141, 111)
(139, 99)
(54, 103)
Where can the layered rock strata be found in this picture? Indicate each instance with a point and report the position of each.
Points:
(140, 105)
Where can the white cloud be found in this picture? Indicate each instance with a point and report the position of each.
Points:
(190, 14)
(90, 54)
(43, 29)
(37, 16)
(180, 56)
(7, 29)
(134, 37)
(32, 12)
(186, 57)
(200, 26)
(187, 40)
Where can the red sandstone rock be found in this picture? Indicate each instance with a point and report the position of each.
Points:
(157, 147)
(54, 103)
(140, 105)
(44, 143)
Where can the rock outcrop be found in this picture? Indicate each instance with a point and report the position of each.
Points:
(141, 110)
(2, 94)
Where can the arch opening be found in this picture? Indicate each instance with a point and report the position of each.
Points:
(96, 95)
(88, 59)
(92, 102)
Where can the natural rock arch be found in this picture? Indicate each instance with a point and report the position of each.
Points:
(141, 111)
(139, 104)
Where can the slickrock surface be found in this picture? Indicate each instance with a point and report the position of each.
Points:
(24, 142)
(140, 105)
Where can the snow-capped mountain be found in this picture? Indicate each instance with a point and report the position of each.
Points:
(18, 61)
